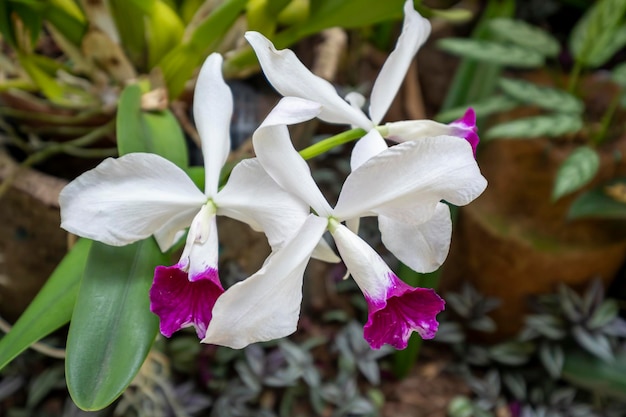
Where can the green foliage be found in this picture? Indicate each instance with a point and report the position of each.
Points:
(156, 132)
(112, 328)
(525, 35)
(492, 52)
(544, 97)
(51, 308)
(599, 203)
(485, 107)
(576, 171)
(553, 125)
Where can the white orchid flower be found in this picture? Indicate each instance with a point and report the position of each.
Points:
(292, 79)
(412, 177)
(135, 196)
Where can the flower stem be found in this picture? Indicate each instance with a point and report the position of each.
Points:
(331, 142)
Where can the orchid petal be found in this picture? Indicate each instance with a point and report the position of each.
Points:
(290, 77)
(253, 197)
(323, 252)
(415, 31)
(368, 146)
(266, 305)
(182, 303)
(407, 130)
(201, 249)
(173, 229)
(212, 111)
(394, 308)
(412, 175)
(127, 199)
(422, 247)
(282, 162)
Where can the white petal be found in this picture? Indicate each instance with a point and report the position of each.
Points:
(173, 229)
(324, 252)
(127, 199)
(356, 99)
(253, 197)
(422, 247)
(201, 249)
(369, 145)
(290, 77)
(266, 305)
(212, 111)
(416, 129)
(367, 268)
(416, 174)
(282, 162)
(415, 31)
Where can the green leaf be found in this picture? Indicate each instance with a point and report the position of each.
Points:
(595, 343)
(597, 35)
(525, 35)
(598, 376)
(618, 75)
(67, 18)
(553, 125)
(180, 63)
(112, 328)
(51, 308)
(132, 36)
(603, 315)
(154, 132)
(483, 108)
(511, 353)
(552, 358)
(492, 52)
(598, 203)
(545, 97)
(576, 171)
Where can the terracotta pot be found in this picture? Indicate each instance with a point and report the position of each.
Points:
(514, 242)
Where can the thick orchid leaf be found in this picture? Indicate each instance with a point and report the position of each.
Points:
(132, 36)
(599, 33)
(526, 35)
(164, 30)
(67, 18)
(154, 132)
(545, 97)
(492, 52)
(112, 328)
(607, 201)
(180, 63)
(483, 108)
(593, 374)
(576, 171)
(553, 125)
(51, 308)
(263, 15)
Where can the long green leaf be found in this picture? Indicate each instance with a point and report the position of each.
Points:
(525, 35)
(492, 52)
(486, 107)
(576, 171)
(545, 97)
(594, 38)
(154, 132)
(553, 125)
(597, 203)
(593, 374)
(112, 328)
(51, 308)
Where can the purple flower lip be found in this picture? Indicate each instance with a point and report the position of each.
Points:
(469, 130)
(403, 310)
(180, 302)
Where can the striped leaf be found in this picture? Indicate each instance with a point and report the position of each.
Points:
(492, 52)
(523, 34)
(544, 97)
(607, 201)
(576, 171)
(486, 107)
(599, 33)
(552, 125)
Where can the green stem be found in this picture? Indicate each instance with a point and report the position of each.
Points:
(574, 76)
(331, 142)
(607, 117)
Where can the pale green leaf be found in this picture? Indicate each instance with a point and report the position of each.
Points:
(597, 203)
(154, 132)
(525, 35)
(552, 125)
(112, 328)
(486, 107)
(618, 75)
(51, 308)
(545, 97)
(597, 34)
(492, 52)
(576, 171)
(606, 379)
